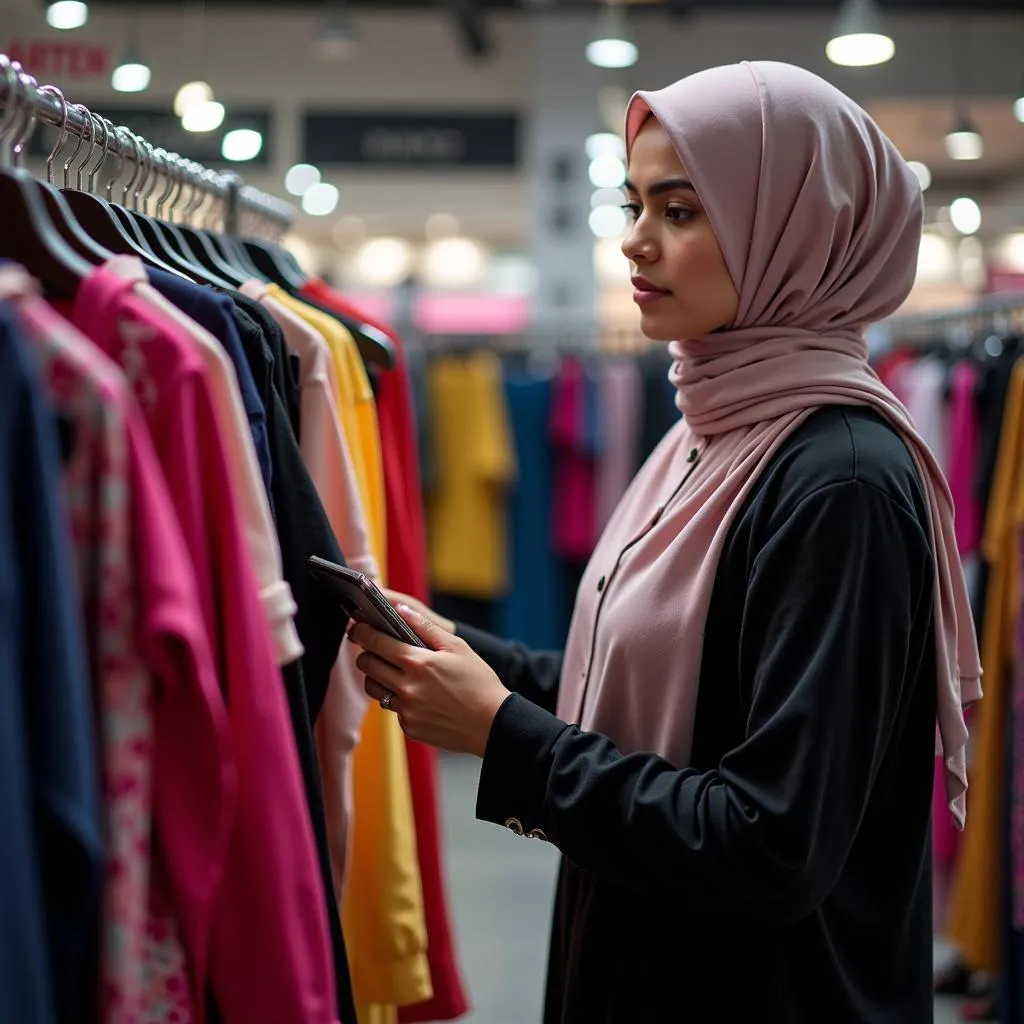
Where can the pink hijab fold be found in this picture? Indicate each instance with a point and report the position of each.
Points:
(819, 221)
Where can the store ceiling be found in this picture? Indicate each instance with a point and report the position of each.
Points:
(677, 6)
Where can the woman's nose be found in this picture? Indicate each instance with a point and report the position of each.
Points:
(637, 245)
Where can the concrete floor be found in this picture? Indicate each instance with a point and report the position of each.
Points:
(501, 890)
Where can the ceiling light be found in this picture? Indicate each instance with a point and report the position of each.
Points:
(964, 142)
(241, 144)
(965, 215)
(203, 117)
(337, 38)
(922, 172)
(453, 263)
(301, 177)
(383, 262)
(67, 14)
(608, 221)
(607, 172)
(859, 39)
(190, 93)
(1011, 252)
(131, 75)
(320, 199)
(1018, 109)
(605, 144)
(936, 259)
(611, 47)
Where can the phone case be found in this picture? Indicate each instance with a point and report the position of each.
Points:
(362, 599)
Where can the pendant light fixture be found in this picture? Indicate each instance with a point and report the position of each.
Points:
(67, 14)
(132, 73)
(612, 46)
(963, 141)
(859, 39)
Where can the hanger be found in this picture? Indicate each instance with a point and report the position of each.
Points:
(96, 215)
(199, 240)
(29, 234)
(56, 204)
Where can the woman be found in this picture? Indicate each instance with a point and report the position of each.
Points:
(739, 774)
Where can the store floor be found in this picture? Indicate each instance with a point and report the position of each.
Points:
(501, 890)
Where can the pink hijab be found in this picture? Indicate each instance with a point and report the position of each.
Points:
(819, 220)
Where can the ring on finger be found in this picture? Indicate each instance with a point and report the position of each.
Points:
(385, 701)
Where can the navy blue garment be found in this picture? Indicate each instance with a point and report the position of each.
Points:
(593, 418)
(51, 854)
(533, 611)
(216, 313)
(660, 412)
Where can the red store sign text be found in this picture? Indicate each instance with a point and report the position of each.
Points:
(46, 59)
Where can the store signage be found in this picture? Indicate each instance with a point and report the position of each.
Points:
(47, 59)
(160, 127)
(414, 140)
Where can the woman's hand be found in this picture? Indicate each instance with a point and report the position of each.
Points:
(398, 599)
(445, 696)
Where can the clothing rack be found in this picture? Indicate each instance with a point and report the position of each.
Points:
(21, 97)
(1000, 311)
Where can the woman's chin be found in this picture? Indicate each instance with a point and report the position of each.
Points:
(658, 328)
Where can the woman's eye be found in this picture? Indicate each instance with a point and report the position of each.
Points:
(632, 210)
(679, 214)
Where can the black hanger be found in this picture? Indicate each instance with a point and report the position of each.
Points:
(236, 254)
(275, 263)
(29, 234)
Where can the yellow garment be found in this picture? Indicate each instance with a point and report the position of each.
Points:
(382, 906)
(466, 517)
(976, 905)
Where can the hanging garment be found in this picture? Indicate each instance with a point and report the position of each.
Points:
(621, 397)
(90, 394)
(382, 910)
(975, 911)
(210, 323)
(467, 528)
(574, 510)
(304, 530)
(532, 611)
(327, 458)
(964, 444)
(925, 385)
(269, 951)
(407, 573)
(659, 412)
(51, 857)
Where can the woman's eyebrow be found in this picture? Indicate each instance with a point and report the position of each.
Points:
(668, 185)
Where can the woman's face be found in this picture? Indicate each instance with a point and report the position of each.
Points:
(680, 280)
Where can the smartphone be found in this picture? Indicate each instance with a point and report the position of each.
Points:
(362, 599)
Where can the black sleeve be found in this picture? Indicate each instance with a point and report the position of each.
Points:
(532, 674)
(825, 645)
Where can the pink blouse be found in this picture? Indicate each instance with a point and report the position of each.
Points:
(263, 938)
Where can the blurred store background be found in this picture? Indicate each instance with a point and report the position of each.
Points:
(453, 168)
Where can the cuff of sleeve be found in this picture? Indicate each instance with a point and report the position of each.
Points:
(517, 761)
(488, 646)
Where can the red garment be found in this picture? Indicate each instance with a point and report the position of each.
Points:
(407, 572)
(268, 953)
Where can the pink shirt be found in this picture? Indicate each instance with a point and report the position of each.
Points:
(327, 457)
(964, 442)
(621, 391)
(575, 500)
(269, 949)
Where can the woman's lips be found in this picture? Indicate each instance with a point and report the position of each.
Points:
(644, 292)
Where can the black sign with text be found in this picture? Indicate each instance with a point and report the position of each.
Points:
(161, 128)
(415, 140)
